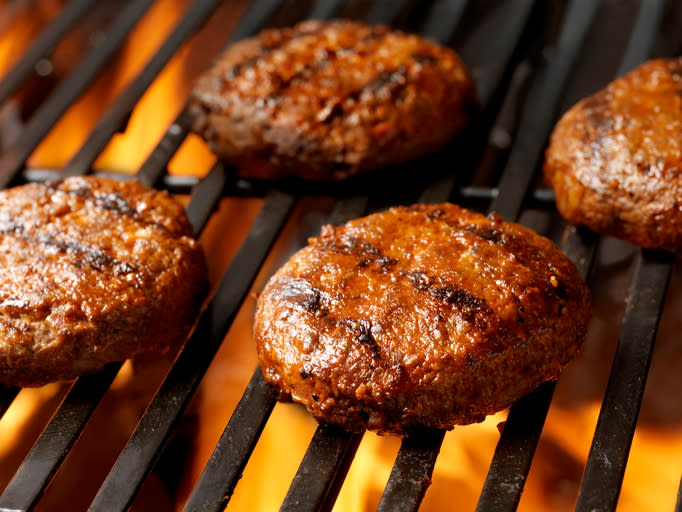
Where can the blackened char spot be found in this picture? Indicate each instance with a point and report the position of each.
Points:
(301, 293)
(486, 232)
(363, 333)
(86, 255)
(420, 280)
(362, 250)
(388, 82)
(116, 204)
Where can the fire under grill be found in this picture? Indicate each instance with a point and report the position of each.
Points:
(530, 60)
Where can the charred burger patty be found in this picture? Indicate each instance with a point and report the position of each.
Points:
(325, 100)
(421, 316)
(615, 158)
(94, 271)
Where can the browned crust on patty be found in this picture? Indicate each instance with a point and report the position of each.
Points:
(422, 316)
(94, 271)
(615, 158)
(325, 100)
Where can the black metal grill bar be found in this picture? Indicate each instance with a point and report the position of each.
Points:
(610, 448)
(155, 165)
(325, 9)
(386, 11)
(643, 35)
(119, 111)
(146, 443)
(511, 460)
(411, 473)
(678, 506)
(444, 17)
(493, 55)
(540, 112)
(223, 470)
(209, 189)
(39, 466)
(322, 470)
(43, 45)
(49, 112)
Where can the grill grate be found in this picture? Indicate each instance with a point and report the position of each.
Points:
(522, 73)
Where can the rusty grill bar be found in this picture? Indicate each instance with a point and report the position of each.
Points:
(513, 38)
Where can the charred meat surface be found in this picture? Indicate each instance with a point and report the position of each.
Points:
(615, 158)
(325, 100)
(94, 271)
(421, 316)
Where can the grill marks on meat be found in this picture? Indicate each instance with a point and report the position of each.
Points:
(615, 158)
(324, 100)
(423, 316)
(94, 271)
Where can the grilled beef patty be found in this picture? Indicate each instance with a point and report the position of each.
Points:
(421, 316)
(94, 271)
(615, 158)
(325, 100)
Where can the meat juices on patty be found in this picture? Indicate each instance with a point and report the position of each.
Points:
(615, 158)
(418, 317)
(94, 271)
(326, 100)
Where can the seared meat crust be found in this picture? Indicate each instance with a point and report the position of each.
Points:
(421, 316)
(94, 271)
(615, 158)
(325, 100)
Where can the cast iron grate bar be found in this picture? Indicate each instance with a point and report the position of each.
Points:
(678, 506)
(220, 475)
(411, 473)
(643, 35)
(145, 445)
(155, 165)
(540, 111)
(44, 44)
(507, 38)
(498, 47)
(610, 448)
(386, 11)
(444, 18)
(49, 112)
(325, 9)
(223, 470)
(40, 465)
(581, 248)
(117, 114)
(322, 470)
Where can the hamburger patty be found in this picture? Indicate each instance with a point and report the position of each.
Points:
(421, 316)
(325, 100)
(94, 271)
(615, 158)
